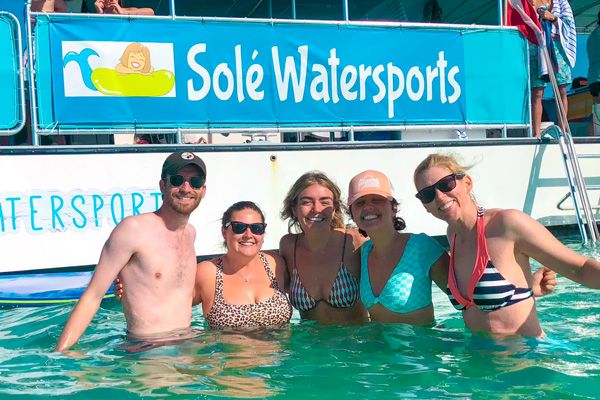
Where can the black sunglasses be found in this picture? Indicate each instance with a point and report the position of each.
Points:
(445, 185)
(196, 182)
(257, 228)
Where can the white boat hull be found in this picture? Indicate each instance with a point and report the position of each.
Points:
(58, 205)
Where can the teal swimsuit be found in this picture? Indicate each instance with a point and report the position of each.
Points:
(409, 287)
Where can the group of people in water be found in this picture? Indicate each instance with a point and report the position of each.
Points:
(328, 271)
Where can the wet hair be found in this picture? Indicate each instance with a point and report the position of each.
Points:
(447, 161)
(291, 199)
(239, 206)
(137, 48)
(399, 223)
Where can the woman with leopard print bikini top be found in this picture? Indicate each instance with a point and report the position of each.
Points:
(273, 312)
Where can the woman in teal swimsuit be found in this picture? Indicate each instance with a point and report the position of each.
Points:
(396, 267)
(490, 276)
(321, 257)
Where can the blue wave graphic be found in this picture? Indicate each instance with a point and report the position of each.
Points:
(82, 59)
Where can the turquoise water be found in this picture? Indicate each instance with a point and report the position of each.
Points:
(310, 361)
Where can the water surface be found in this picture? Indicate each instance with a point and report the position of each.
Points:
(310, 361)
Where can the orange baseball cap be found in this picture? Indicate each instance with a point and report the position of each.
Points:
(369, 182)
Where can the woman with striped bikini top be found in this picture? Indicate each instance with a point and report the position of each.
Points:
(487, 290)
(344, 291)
(489, 300)
(323, 262)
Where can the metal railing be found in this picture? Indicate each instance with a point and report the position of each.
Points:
(577, 186)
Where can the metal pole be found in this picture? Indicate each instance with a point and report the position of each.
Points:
(580, 182)
(345, 7)
(35, 140)
(172, 8)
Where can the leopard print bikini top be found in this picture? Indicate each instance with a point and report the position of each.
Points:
(273, 312)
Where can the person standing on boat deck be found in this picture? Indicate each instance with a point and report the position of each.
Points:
(49, 6)
(489, 276)
(154, 255)
(244, 288)
(397, 268)
(558, 30)
(593, 51)
(322, 260)
(115, 7)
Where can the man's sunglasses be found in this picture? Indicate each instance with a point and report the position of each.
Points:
(257, 228)
(445, 185)
(196, 182)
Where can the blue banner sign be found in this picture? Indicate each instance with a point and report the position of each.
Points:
(10, 96)
(192, 73)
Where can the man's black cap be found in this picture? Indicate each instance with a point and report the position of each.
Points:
(180, 159)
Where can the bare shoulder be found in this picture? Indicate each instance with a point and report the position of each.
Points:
(276, 262)
(273, 258)
(135, 222)
(278, 267)
(207, 266)
(204, 285)
(190, 231)
(509, 221)
(129, 232)
(286, 245)
(287, 241)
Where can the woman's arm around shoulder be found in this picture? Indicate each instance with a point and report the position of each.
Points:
(534, 240)
(439, 271)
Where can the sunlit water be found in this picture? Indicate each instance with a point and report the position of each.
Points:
(311, 361)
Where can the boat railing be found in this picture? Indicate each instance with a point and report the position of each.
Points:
(12, 48)
(577, 185)
(43, 76)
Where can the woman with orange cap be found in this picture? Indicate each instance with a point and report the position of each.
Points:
(397, 267)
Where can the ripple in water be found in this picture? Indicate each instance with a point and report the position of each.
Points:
(311, 361)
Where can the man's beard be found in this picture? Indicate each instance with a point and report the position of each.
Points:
(183, 209)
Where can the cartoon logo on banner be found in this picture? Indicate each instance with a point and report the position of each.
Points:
(118, 69)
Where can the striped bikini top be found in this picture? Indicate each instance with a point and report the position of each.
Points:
(488, 290)
(344, 292)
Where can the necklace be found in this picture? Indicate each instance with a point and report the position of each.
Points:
(245, 278)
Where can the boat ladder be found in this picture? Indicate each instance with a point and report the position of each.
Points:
(577, 186)
(578, 190)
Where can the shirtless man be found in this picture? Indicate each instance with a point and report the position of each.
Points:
(154, 255)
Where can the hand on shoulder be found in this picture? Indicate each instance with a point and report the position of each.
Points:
(357, 238)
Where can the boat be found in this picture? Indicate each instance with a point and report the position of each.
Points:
(263, 99)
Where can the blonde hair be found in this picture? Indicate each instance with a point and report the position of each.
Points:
(306, 180)
(448, 161)
(137, 48)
